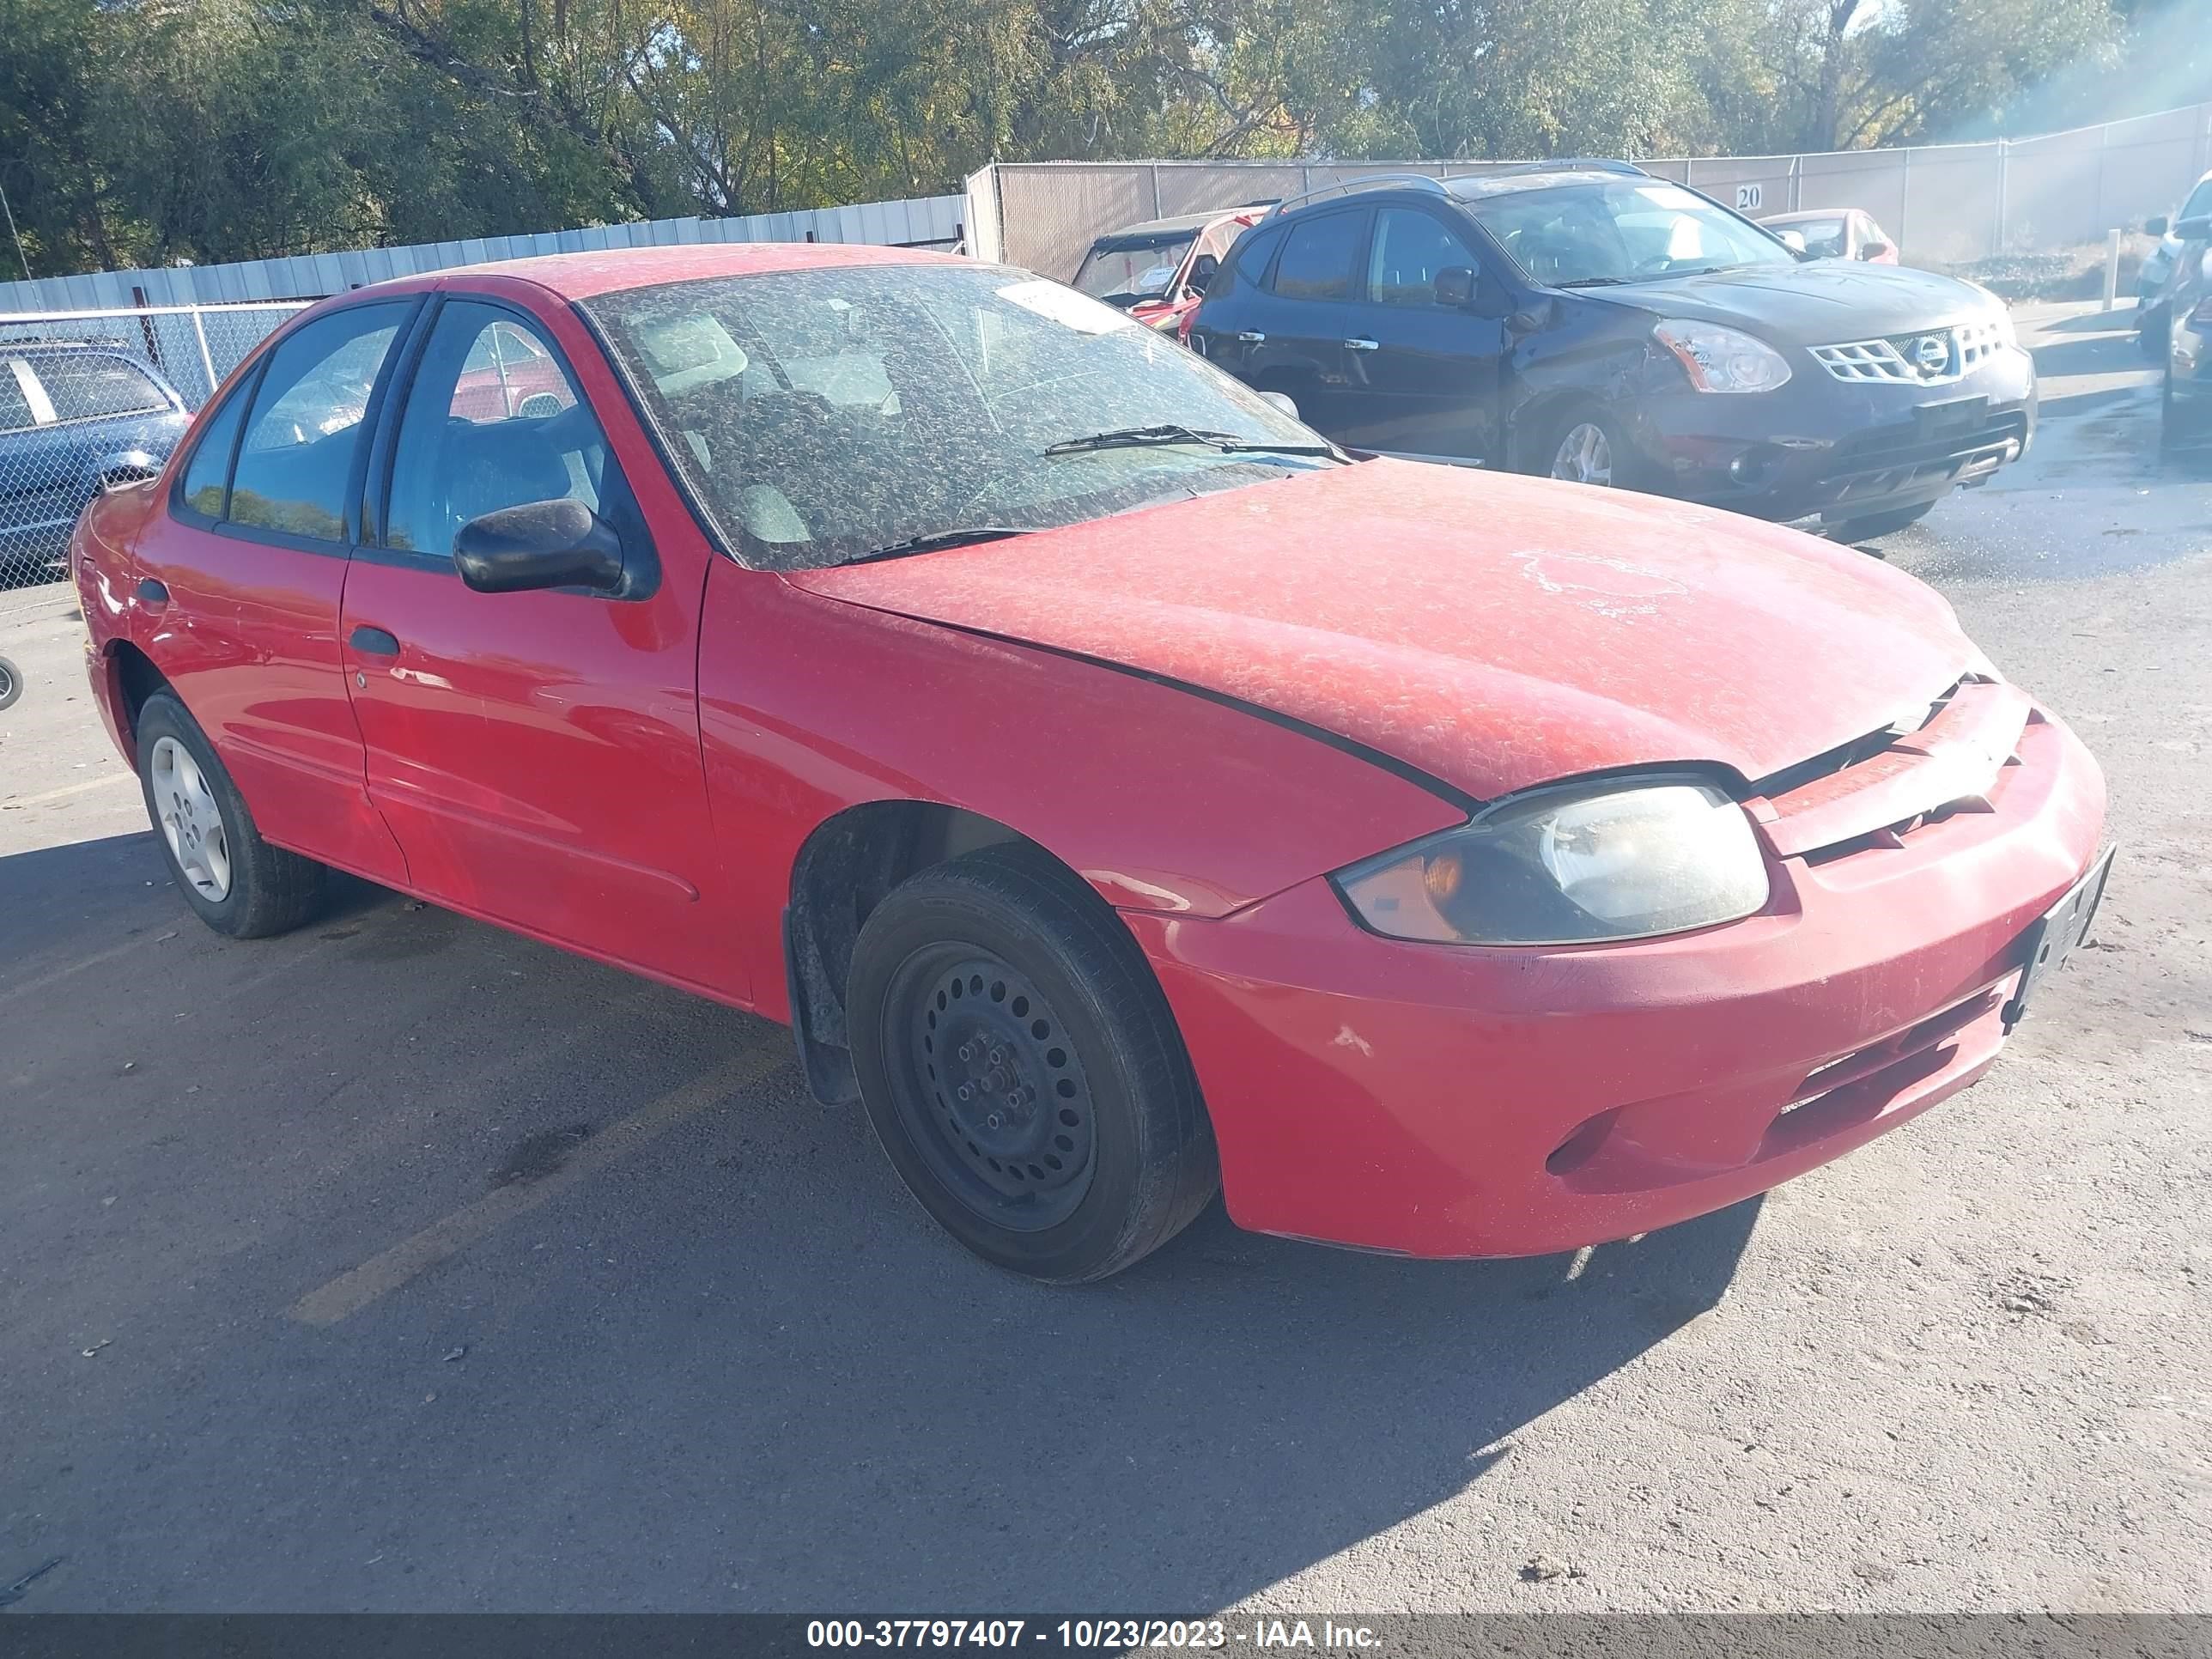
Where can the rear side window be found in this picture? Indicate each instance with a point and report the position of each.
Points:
(306, 424)
(89, 387)
(1316, 262)
(15, 408)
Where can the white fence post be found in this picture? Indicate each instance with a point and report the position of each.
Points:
(207, 359)
(2112, 269)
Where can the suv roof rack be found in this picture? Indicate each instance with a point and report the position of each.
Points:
(1366, 181)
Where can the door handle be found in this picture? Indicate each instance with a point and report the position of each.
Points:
(1363, 345)
(374, 643)
(1252, 337)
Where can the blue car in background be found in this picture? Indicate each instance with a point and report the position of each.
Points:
(76, 417)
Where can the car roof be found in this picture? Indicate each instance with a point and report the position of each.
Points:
(588, 275)
(1474, 185)
(1179, 222)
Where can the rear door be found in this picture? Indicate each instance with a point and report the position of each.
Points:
(536, 753)
(1304, 315)
(1421, 376)
(241, 582)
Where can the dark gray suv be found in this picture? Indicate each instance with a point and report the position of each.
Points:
(76, 417)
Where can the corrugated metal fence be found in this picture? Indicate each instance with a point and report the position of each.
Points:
(928, 221)
(1946, 203)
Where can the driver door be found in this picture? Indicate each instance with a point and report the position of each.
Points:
(536, 754)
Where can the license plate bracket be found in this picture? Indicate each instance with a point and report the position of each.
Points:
(2055, 933)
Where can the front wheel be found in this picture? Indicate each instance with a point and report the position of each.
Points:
(1023, 1070)
(234, 881)
(1587, 446)
(11, 683)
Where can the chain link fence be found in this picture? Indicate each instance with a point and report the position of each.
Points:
(89, 399)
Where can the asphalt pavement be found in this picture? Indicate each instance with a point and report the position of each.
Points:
(403, 1264)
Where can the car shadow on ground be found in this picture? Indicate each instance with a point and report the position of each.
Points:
(738, 1370)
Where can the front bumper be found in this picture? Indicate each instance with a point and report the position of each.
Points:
(1821, 445)
(1443, 1101)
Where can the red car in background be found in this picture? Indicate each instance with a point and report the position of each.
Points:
(1838, 234)
(1157, 271)
(1121, 791)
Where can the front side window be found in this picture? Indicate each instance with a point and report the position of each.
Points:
(823, 415)
(306, 424)
(1316, 262)
(1411, 248)
(1630, 230)
(95, 385)
(492, 421)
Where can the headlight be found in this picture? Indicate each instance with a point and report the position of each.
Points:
(1719, 359)
(2000, 315)
(1570, 866)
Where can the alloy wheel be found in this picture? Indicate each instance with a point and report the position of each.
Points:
(191, 820)
(1585, 455)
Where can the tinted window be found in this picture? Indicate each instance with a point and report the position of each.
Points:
(1410, 248)
(492, 421)
(827, 413)
(1248, 260)
(1316, 262)
(209, 471)
(14, 407)
(307, 422)
(2199, 201)
(86, 387)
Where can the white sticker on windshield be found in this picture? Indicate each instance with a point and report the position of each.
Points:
(1156, 280)
(1066, 306)
(1669, 196)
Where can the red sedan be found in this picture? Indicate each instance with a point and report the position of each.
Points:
(1120, 790)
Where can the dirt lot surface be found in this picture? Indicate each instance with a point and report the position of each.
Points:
(402, 1264)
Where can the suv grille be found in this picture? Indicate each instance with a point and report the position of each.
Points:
(1931, 358)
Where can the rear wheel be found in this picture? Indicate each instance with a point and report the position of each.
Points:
(1023, 1070)
(1874, 525)
(11, 683)
(234, 881)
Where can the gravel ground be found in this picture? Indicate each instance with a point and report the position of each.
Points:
(403, 1264)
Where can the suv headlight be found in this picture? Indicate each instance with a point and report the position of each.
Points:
(2000, 314)
(1569, 866)
(1719, 359)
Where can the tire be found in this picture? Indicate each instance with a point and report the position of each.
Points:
(1874, 525)
(235, 882)
(11, 684)
(1085, 1145)
(2151, 335)
(1582, 440)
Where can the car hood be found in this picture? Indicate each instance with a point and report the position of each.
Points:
(1820, 303)
(1491, 631)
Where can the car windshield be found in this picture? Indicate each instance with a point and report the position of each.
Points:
(821, 416)
(1628, 230)
(1122, 273)
(1824, 238)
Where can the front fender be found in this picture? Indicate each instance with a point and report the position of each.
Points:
(1164, 800)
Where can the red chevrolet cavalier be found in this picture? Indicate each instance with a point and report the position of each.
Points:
(1120, 790)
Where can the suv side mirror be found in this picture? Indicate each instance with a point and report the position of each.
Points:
(2156, 225)
(1456, 287)
(539, 544)
(1202, 269)
(1478, 291)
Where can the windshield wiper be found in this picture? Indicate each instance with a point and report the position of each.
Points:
(1593, 282)
(935, 539)
(1153, 437)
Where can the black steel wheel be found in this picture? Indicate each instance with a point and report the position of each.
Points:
(991, 1089)
(1022, 1068)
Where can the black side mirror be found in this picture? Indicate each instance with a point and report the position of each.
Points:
(539, 544)
(2195, 228)
(2156, 225)
(1202, 269)
(1456, 287)
(1873, 250)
